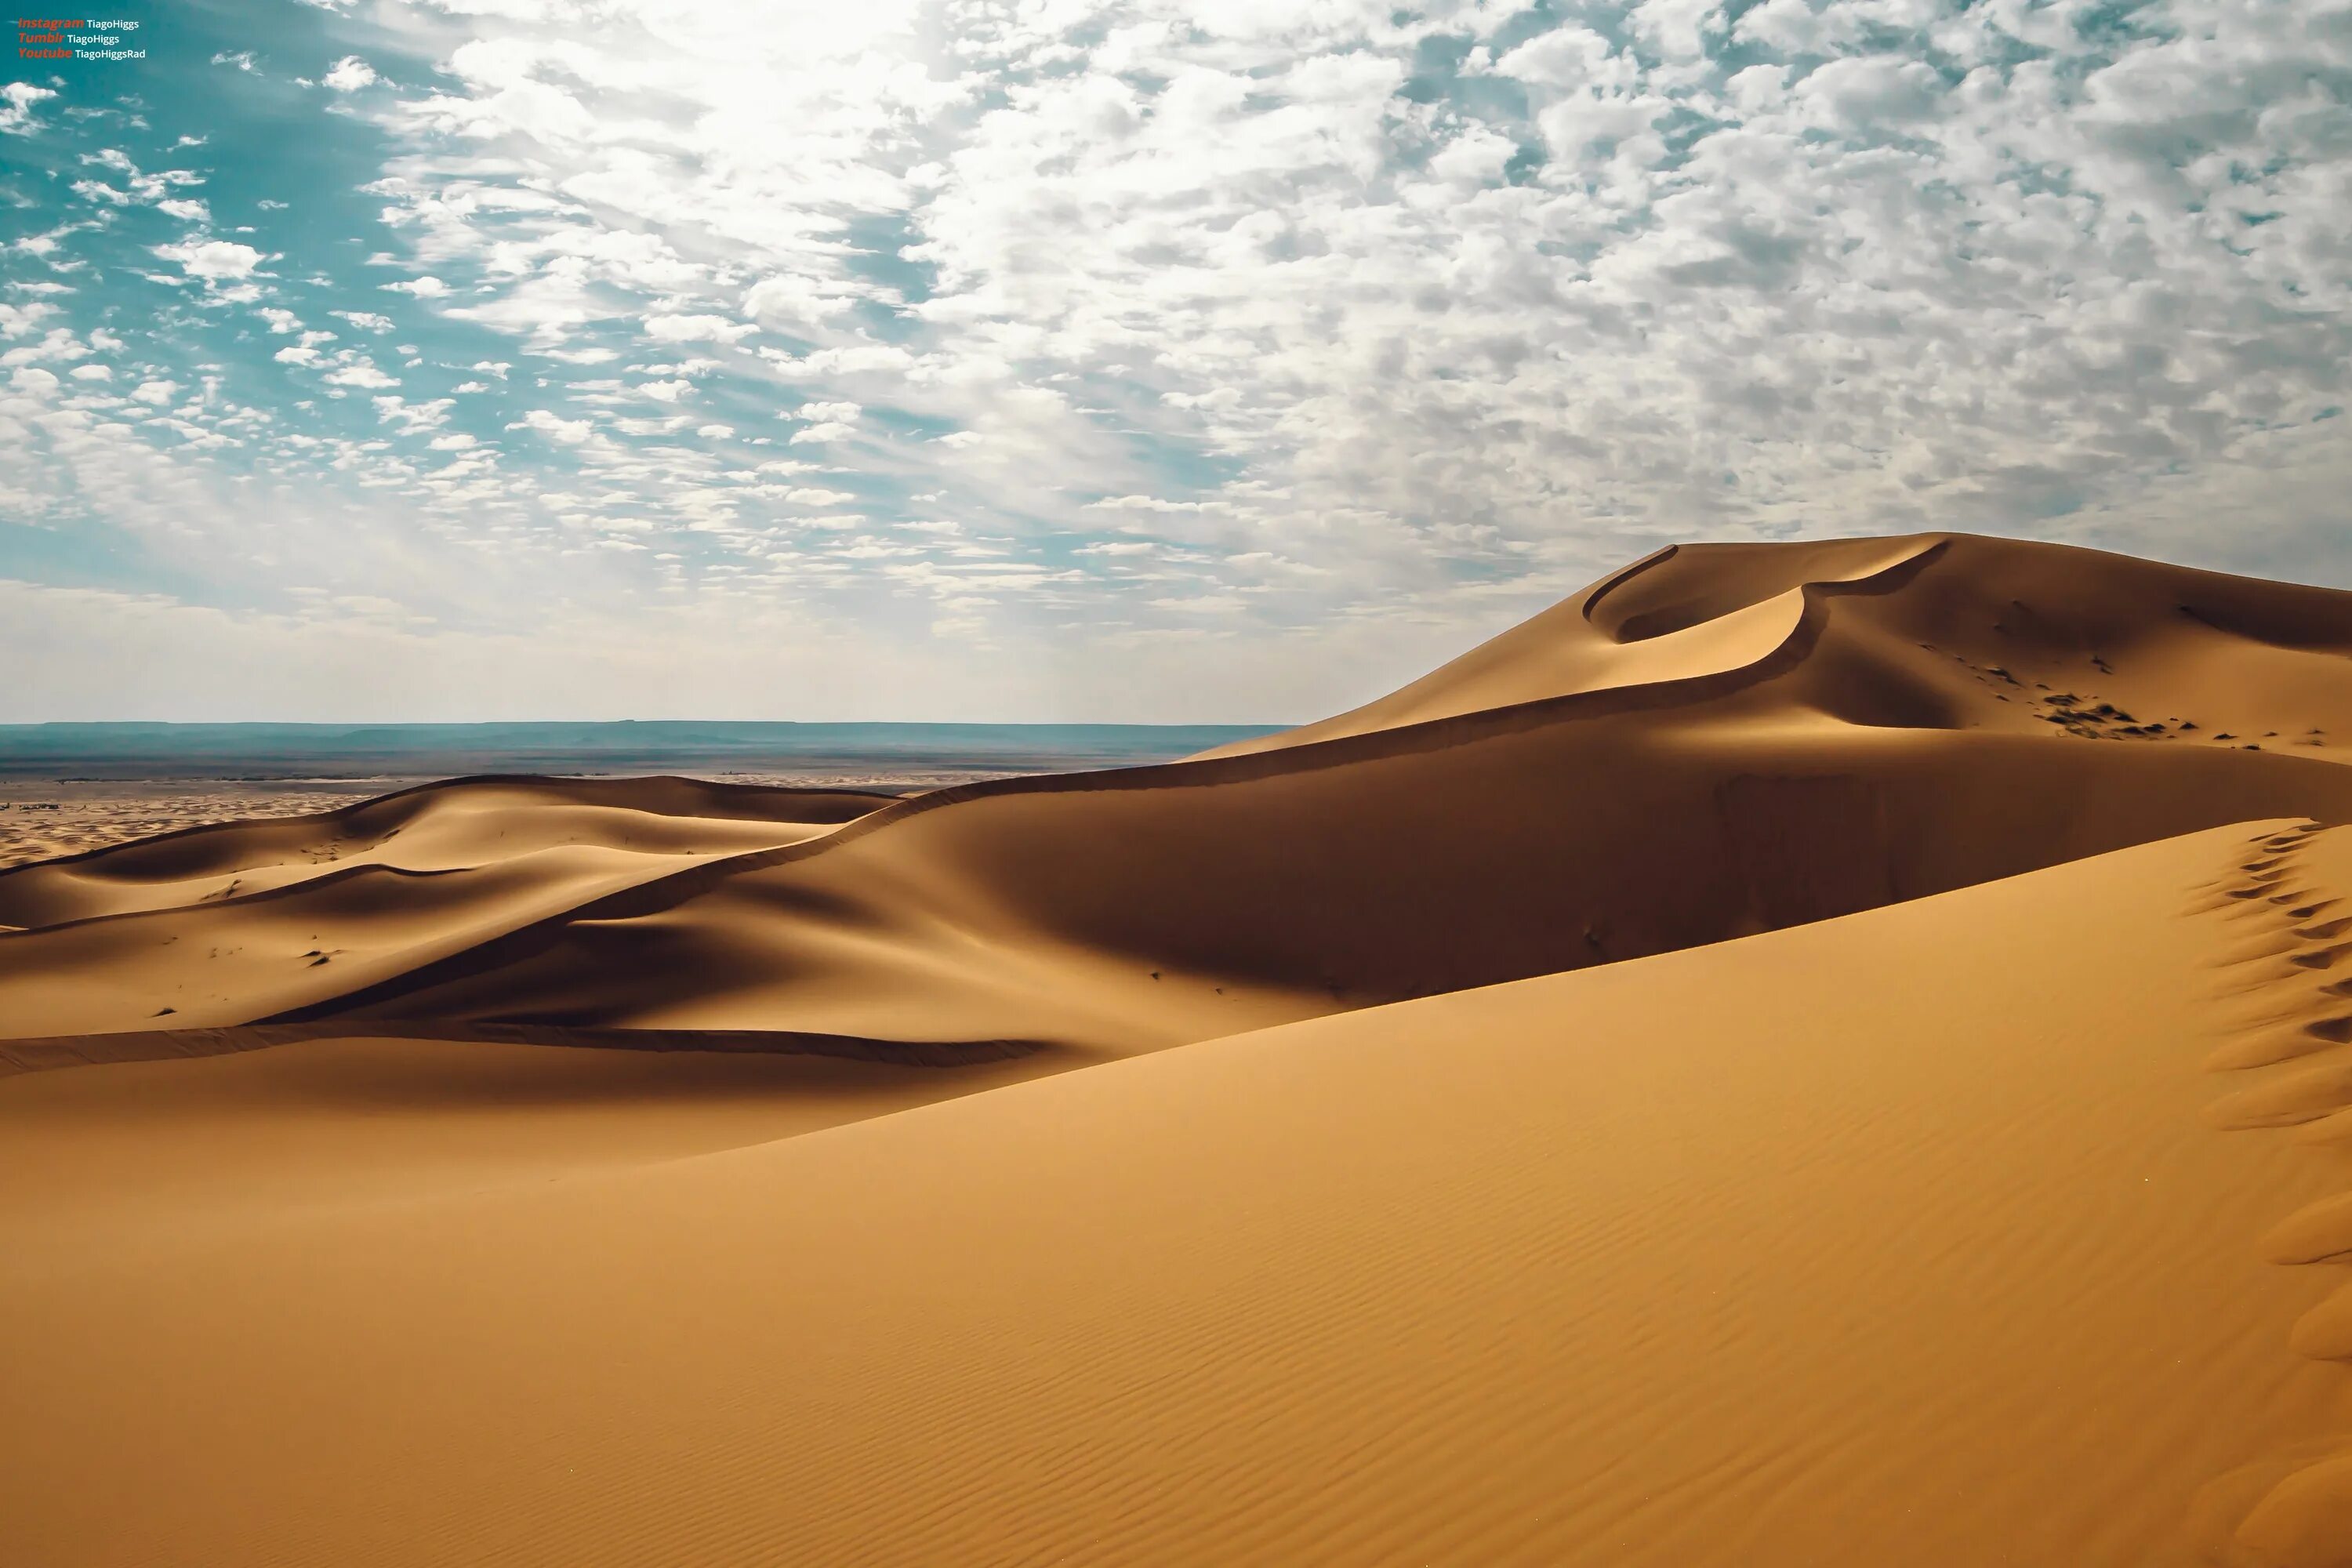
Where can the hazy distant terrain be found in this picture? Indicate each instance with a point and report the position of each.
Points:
(442, 751)
(68, 788)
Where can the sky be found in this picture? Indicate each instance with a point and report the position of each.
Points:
(1053, 360)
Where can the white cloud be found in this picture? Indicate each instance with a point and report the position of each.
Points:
(1872, 90)
(413, 418)
(568, 431)
(791, 299)
(695, 329)
(57, 344)
(349, 74)
(359, 374)
(155, 392)
(17, 101)
(1156, 504)
(15, 321)
(1343, 341)
(212, 259)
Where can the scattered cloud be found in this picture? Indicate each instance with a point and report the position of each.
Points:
(349, 74)
(16, 102)
(212, 259)
(1210, 328)
(695, 329)
(568, 431)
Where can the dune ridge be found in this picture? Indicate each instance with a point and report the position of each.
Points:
(1885, 741)
(38, 1054)
(124, 878)
(1809, 782)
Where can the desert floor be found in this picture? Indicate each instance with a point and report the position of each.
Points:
(1809, 1054)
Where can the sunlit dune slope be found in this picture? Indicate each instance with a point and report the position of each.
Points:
(2050, 632)
(1999, 1226)
(198, 926)
(99, 1162)
(454, 826)
(1715, 741)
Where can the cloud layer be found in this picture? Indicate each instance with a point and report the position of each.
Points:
(1071, 360)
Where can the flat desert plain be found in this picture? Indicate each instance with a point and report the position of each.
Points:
(1803, 1054)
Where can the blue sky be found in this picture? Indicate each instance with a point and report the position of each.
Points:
(1226, 360)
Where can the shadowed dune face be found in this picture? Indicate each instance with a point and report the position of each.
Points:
(1714, 741)
(460, 824)
(197, 927)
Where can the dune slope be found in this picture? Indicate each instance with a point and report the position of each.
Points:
(213, 925)
(1715, 741)
(1999, 1227)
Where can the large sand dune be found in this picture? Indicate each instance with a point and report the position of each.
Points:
(1930, 1235)
(1720, 740)
(1802, 1054)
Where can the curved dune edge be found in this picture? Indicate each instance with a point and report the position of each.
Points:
(1625, 665)
(1899, 1237)
(357, 894)
(1887, 745)
(1432, 735)
(1822, 563)
(1681, 715)
(584, 789)
(1622, 575)
(374, 822)
(41, 1055)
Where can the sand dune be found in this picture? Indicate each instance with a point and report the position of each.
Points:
(454, 826)
(219, 925)
(1823, 1053)
(1718, 741)
(1910, 1237)
(2047, 632)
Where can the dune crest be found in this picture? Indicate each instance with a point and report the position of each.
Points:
(1718, 741)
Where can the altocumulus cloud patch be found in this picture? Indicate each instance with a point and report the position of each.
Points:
(914, 337)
